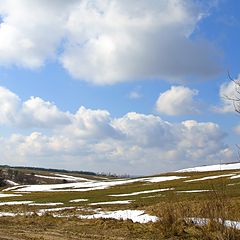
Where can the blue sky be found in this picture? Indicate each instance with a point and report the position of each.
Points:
(149, 75)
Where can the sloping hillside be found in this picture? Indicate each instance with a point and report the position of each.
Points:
(140, 200)
(11, 176)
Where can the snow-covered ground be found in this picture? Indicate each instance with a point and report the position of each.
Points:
(45, 204)
(134, 215)
(15, 203)
(11, 183)
(63, 177)
(235, 176)
(86, 186)
(78, 200)
(68, 177)
(162, 178)
(193, 191)
(227, 223)
(113, 202)
(216, 167)
(3, 195)
(43, 211)
(142, 192)
(210, 177)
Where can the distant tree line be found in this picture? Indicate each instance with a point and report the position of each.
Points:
(89, 173)
(15, 176)
(50, 170)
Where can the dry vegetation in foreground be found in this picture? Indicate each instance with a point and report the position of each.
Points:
(176, 211)
(178, 219)
(175, 222)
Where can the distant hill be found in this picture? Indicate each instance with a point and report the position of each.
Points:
(11, 176)
(216, 167)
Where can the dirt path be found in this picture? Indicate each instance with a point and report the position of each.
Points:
(50, 235)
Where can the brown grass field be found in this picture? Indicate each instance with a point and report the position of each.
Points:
(175, 210)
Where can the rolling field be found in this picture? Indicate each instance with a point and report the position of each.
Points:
(178, 205)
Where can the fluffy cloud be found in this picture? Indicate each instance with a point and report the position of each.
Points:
(93, 140)
(9, 103)
(178, 100)
(229, 92)
(30, 32)
(105, 42)
(33, 113)
(90, 125)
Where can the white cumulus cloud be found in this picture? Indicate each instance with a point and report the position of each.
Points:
(94, 140)
(105, 42)
(229, 96)
(35, 112)
(178, 100)
(9, 104)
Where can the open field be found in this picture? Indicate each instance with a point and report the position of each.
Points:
(179, 205)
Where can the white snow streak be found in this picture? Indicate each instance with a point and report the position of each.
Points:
(15, 203)
(142, 192)
(87, 186)
(209, 178)
(113, 202)
(2, 195)
(78, 200)
(217, 167)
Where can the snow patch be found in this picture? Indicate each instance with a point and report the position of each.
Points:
(227, 223)
(15, 203)
(113, 202)
(163, 179)
(12, 188)
(45, 204)
(2, 195)
(142, 192)
(72, 177)
(216, 167)
(78, 200)
(235, 177)
(210, 177)
(194, 191)
(134, 215)
(43, 211)
(11, 183)
(87, 186)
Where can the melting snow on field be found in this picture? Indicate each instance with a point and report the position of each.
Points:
(235, 177)
(152, 196)
(163, 179)
(72, 177)
(227, 223)
(112, 202)
(2, 195)
(142, 192)
(11, 183)
(43, 211)
(50, 177)
(15, 203)
(78, 200)
(45, 204)
(210, 177)
(217, 167)
(193, 191)
(62, 177)
(134, 215)
(86, 186)
(9, 214)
